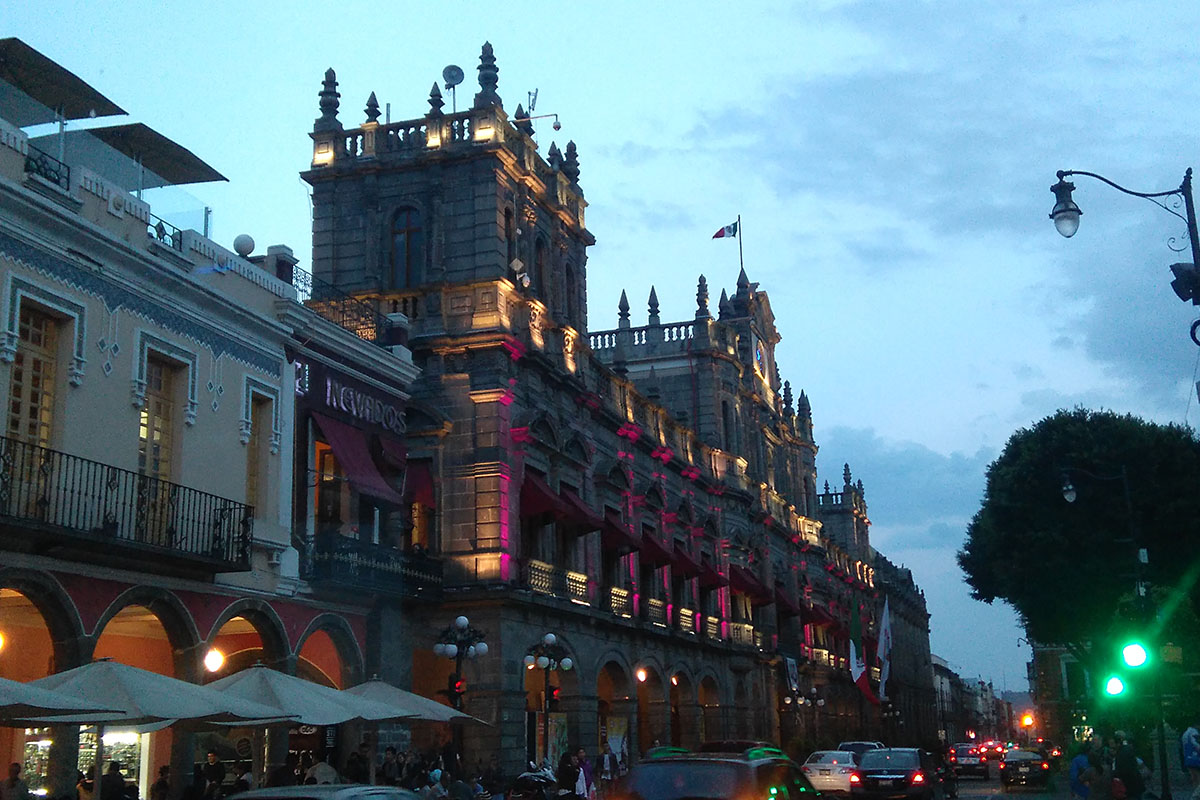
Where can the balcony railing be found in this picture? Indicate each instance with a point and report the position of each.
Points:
(741, 633)
(355, 315)
(340, 562)
(656, 612)
(557, 582)
(67, 499)
(687, 620)
(712, 628)
(48, 167)
(620, 603)
(164, 232)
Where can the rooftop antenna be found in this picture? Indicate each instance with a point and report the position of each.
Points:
(453, 76)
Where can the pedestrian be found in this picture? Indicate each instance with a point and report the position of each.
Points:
(285, 773)
(585, 786)
(1078, 766)
(322, 772)
(567, 777)
(214, 775)
(1189, 743)
(460, 789)
(13, 787)
(1098, 778)
(112, 784)
(1127, 768)
(391, 770)
(161, 788)
(610, 767)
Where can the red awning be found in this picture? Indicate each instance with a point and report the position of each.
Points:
(685, 564)
(580, 512)
(349, 446)
(818, 616)
(616, 534)
(743, 581)
(710, 578)
(784, 602)
(394, 451)
(538, 498)
(655, 552)
(418, 483)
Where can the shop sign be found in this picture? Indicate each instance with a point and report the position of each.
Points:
(320, 385)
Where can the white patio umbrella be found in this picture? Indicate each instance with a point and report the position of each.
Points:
(307, 702)
(20, 701)
(142, 698)
(418, 707)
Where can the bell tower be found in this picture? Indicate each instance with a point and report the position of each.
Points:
(455, 219)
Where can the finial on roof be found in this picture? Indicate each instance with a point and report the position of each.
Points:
(435, 101)
(787, 397)
(623, 311)
(859, 486)
(328, 95)
(554, 157)
(372, 109)
(653, 307)
(571, 163)
(522, 121)
(743, 283)
(846, 474)
(826, 487)
(802, 404)
(489, 78)
(723, 305)
(702, 311)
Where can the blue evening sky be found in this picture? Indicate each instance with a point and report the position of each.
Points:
(891, 162)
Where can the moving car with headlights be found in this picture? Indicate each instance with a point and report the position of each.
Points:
(967, 759)
(896, 773)
(829, 771)
(1023, 768)
(760, 772)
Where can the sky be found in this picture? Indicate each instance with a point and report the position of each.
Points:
(890, 162)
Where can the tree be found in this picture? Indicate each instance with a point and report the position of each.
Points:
(1068, 568)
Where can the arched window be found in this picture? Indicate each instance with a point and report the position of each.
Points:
(407, 247)
(510, 236)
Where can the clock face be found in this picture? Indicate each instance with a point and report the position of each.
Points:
(760, 358)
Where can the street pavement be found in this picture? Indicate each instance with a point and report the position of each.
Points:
(977, 789)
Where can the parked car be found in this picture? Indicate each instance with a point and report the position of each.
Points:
(1023, 768)
(326, 791)
(830, 770)
(860, 747)
(760, 771)
(896, 773)
(966, 759)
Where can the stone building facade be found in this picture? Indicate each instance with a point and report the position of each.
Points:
(646, 493)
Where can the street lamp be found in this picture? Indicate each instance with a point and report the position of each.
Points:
(1186, 283)
(459, 642)
(1134, 654)
(547, 655)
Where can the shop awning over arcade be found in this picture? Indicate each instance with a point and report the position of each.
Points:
(353, 454)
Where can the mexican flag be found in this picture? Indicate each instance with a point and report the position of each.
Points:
(858, 659)
(727, 231)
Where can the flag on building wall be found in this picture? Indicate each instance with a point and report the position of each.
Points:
(858, 658)
(728, 231)
(884, 653)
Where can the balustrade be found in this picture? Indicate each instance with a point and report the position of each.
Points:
(656, 612)
(620, 602)
(336, 560)
(687, 620)
(557, 582)
(712, 628)
(741, 633)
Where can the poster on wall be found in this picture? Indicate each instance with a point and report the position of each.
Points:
(558, 737)
(618, 739)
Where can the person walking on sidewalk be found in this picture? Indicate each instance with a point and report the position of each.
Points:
(1189, 744)
(1079, 765)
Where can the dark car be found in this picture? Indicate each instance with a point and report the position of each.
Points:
(761, 772)
(1023, 768)
(967, 759)
(896, 773)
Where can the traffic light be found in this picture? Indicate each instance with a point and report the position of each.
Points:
(456, 689)
(1134, 654)
(1114, 686)
(553, 704)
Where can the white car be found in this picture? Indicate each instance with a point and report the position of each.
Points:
(829, 771)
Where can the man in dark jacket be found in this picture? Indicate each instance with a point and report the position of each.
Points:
(1127, 767)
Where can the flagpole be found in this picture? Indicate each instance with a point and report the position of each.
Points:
(741, 261)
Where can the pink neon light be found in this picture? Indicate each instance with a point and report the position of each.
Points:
(505, 566)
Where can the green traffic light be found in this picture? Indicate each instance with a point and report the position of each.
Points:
(1134, 654)
(1114, 685)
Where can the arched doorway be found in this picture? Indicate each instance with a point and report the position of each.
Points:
(615, 703)
(710, 710)
(653, 715)
(683, 711)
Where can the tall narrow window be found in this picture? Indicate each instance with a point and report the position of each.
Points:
(260, 427)
(32, 388)
(407, 248)
(156, 436)
(332, 500)
(539, 268)
(510, 236)
(571, 293)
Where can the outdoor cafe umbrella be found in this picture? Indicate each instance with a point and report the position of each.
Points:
(307, 702)
(19, 701)
(142, 698)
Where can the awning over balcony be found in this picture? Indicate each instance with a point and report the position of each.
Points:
(538, 498)
(580, 512)
(710, 578)
(784, 602)
(743, 581)
(615, 533)
(685, 564)
(655, 552)
(349, 446)
(418, 483)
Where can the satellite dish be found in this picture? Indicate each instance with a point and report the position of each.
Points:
(452, 75)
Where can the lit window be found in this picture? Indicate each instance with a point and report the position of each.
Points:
(32, 388)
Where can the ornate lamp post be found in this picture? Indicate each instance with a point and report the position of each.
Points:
(547, 655)
(1187, 276)
(458, 642)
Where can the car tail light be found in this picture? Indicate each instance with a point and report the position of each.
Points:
(1056, 752)
(953, 758)
(807, 770)
(855, 778)
(918, 777)
(982, 758)
(1002, 765)
(1045, 765)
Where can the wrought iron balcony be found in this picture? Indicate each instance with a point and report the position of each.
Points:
(48, 168)
(351, 313)
(334, 561)
(162, 231)
(562, 583)
(741, 633)
(53, 500)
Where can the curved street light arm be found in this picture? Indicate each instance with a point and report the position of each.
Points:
(1066, 173)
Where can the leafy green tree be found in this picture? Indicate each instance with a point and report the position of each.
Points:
(1068, 568)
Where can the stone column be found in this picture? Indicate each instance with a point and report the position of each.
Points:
(582, 720)
(689, 724)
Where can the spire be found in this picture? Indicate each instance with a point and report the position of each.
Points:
(521, 120)
(723, 309)
(702, 311)
(489, 78)
(804, 409)
(554, 157)
(328, 95)
(787, 397)
(435, 101)
(846, 476)
(826, 487)
(372, 109)
(653, 307)
(859, 487)
(743, 283)
(623, 311)
(571, 164)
